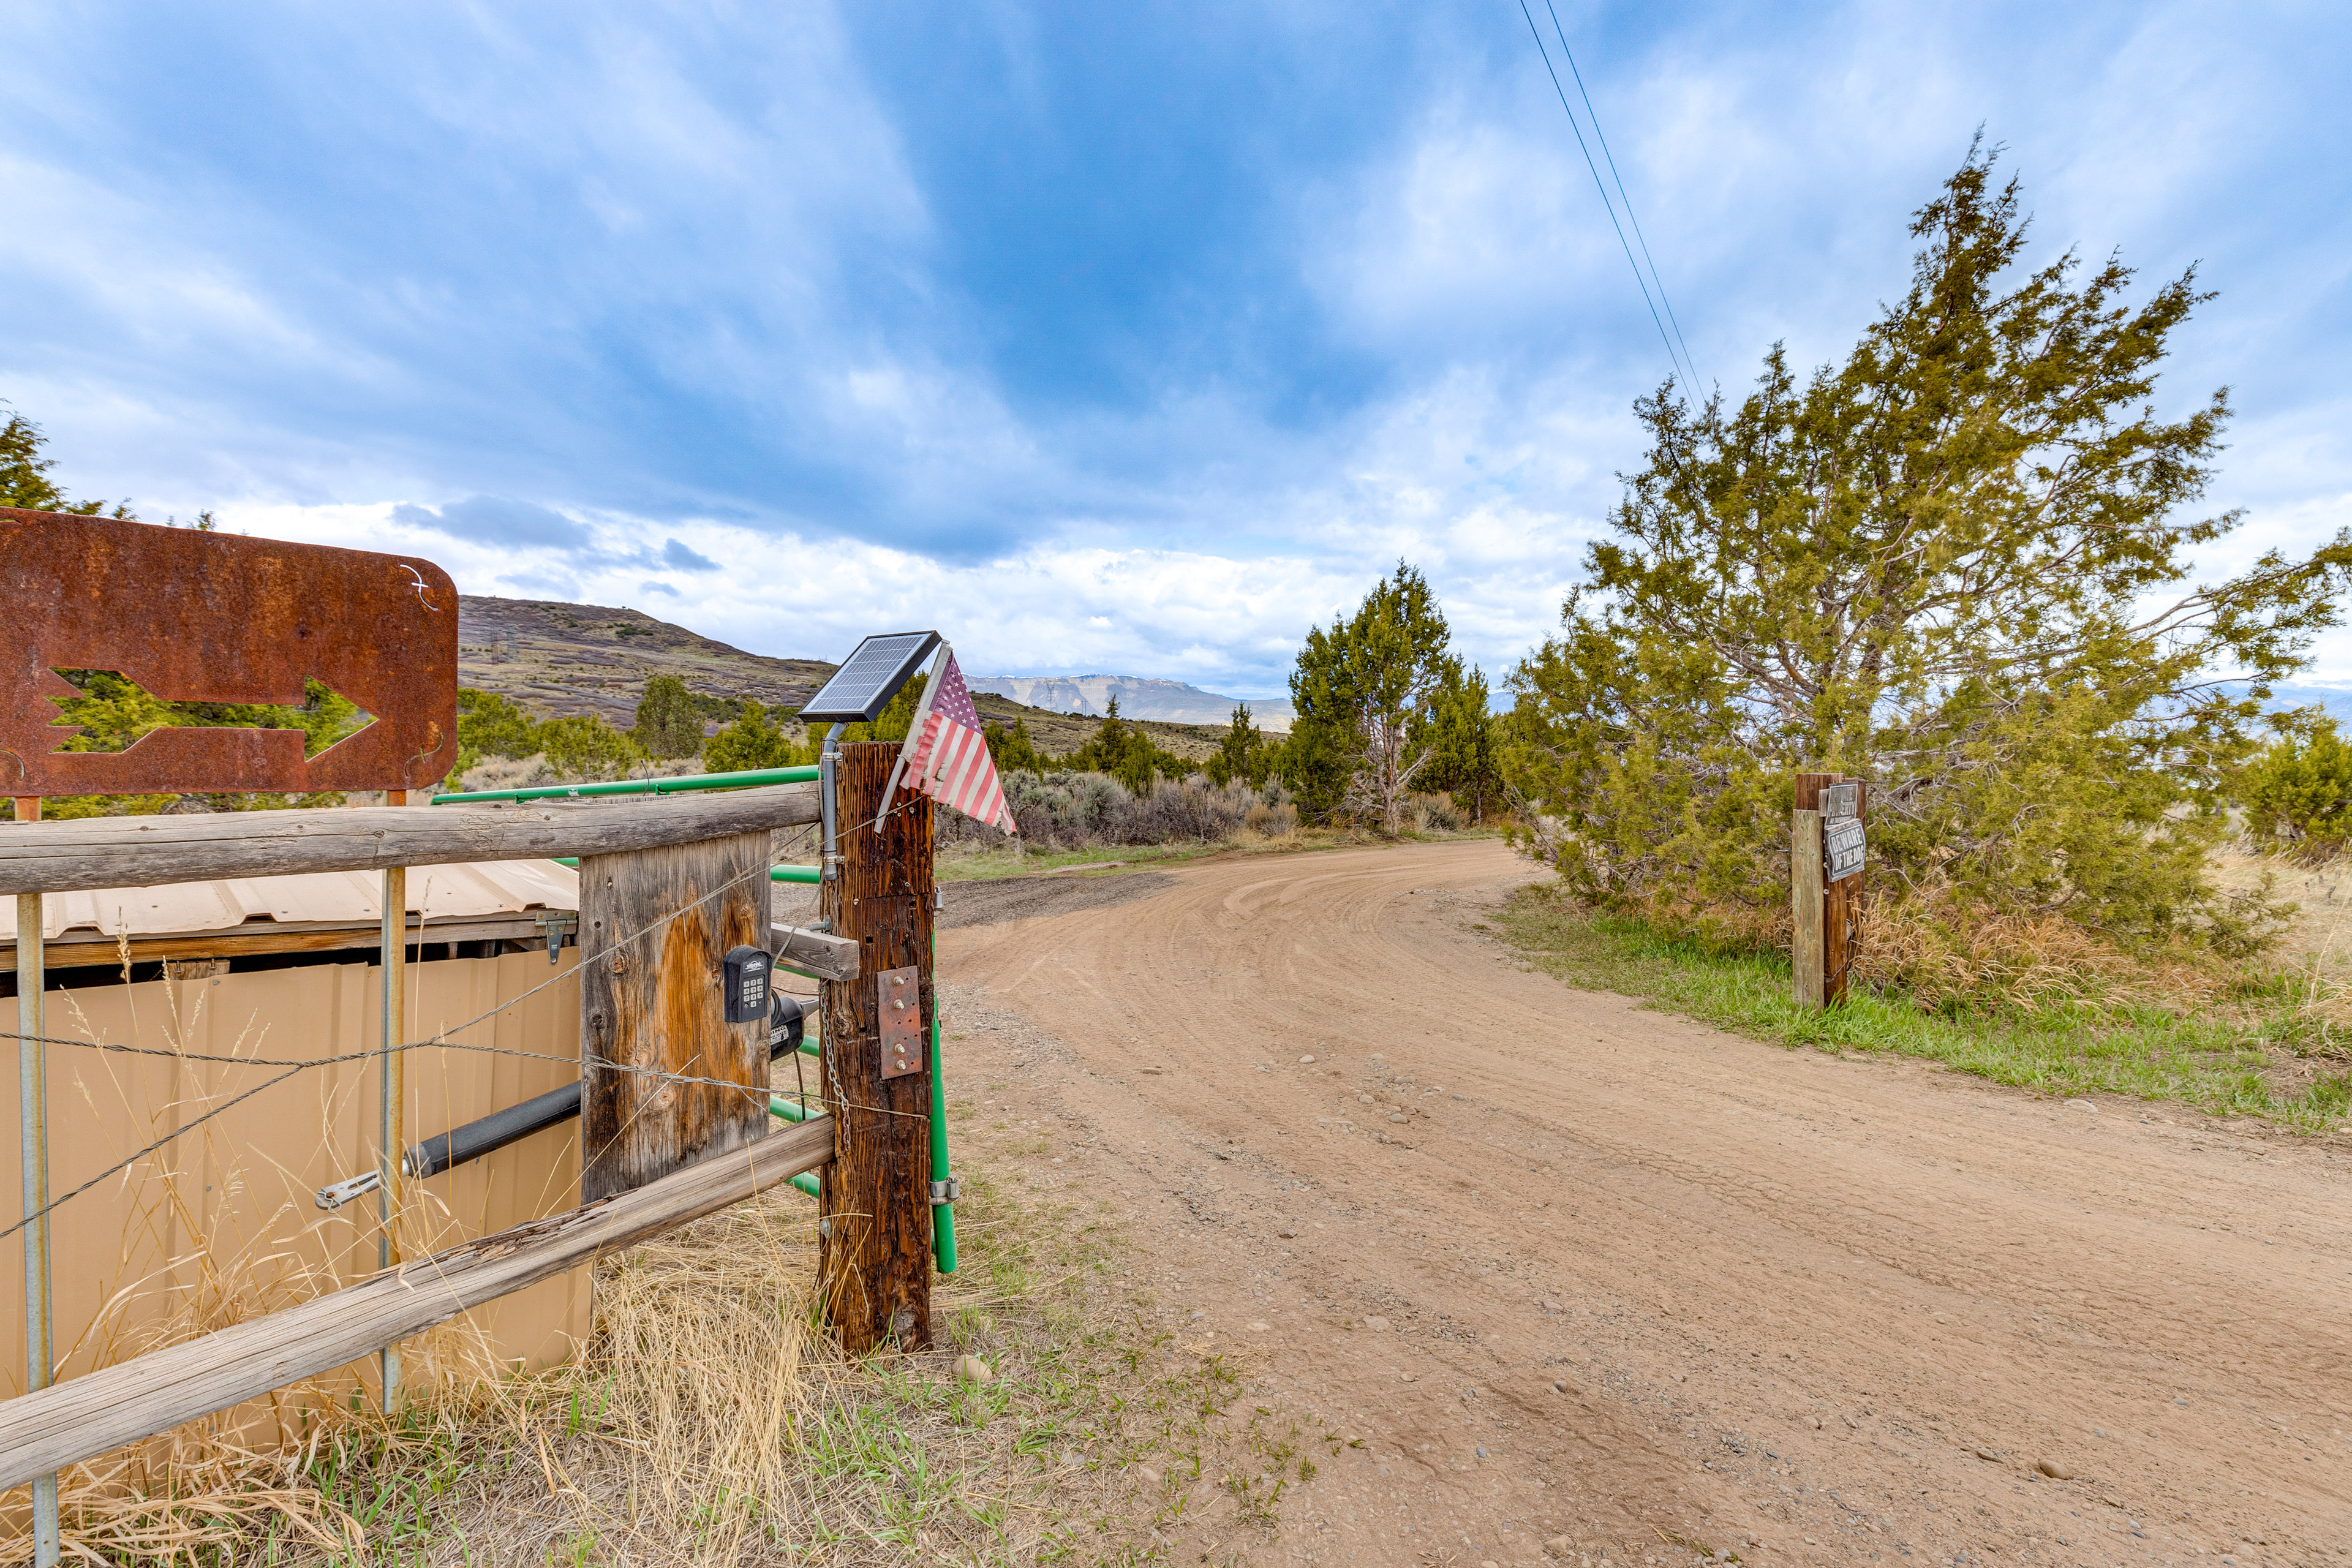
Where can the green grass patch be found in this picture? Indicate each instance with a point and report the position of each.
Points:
(968, 863)
(2254, 1055)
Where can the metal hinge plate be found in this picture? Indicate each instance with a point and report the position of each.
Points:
(901, 1008)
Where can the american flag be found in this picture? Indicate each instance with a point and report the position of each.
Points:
(946, 755)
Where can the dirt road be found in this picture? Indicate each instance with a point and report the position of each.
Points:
(1568, 1268)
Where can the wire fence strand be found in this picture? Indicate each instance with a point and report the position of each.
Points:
(438, 1042)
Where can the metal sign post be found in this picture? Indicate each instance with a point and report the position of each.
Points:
(390, 1083)
(32, 1140)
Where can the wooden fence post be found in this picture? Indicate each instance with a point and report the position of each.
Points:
(1808, 958)
(873, 1260)
(657, 1001)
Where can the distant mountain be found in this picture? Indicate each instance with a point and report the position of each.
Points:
(2335, 700)
(561, 659)
(1169, 702)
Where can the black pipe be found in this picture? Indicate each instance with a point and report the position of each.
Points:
(787, 1022)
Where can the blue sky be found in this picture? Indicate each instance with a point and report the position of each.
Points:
(1105, 339)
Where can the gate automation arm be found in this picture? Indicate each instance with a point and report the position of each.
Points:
(787, 1022)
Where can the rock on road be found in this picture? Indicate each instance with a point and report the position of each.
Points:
(1581, 1274)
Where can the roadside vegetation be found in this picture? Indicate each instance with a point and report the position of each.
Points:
(2060, 1020)
(711, 1421)
(1958, 566)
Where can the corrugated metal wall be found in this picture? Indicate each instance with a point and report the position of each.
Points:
(220, 1225)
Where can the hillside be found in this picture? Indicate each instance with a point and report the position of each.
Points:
(1138, 698)
(559, 659)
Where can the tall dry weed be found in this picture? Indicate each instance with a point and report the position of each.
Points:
(2029, 963)
(192, 1260)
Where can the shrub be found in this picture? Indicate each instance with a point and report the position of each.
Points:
(2298, 793)
(670, 720)
(755, 740)
(586, 748)
(1433, 813)
(1083, 810)
(1272, 821)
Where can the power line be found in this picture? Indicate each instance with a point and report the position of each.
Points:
(1639, 281)
(1602, 136)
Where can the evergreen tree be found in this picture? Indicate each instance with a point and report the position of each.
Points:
(1242, 753)
(1011, 749)
(1126, 752)
(585, 747)
(669, 723)
(753, 740)
(25, 476)
(1364, 689)
(2298, 792)
(490, 724)
(1953, 565)
(1463, 731)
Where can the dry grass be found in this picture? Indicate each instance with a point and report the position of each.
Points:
(2025, 962)
(711, 1422)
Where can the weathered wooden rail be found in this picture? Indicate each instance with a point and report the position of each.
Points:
(88, 1415)
(148, 851)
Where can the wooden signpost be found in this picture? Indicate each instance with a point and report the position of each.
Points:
(874, 1261)
(1827, 839)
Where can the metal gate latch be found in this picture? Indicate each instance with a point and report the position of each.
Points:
(336, 1194)
(946, 1191)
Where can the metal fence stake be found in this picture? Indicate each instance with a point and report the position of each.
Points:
(391, 1081)
(32, 1140)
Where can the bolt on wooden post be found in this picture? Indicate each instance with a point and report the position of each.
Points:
(874, 1257)
(1826, 909)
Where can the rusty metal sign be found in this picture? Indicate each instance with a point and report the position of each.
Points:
(193, 616)
(1844, 846)
(901, 1000)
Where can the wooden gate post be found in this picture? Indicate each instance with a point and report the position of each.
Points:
(657, 1001)
(873, 1260)
(1808, 948)
(1841, 913)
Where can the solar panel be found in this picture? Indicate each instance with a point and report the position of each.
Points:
(871, 676)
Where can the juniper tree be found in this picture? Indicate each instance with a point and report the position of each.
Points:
(1242, 753)
(669, 722)
(1461, 732)
(1362, 689)
(1956, 564)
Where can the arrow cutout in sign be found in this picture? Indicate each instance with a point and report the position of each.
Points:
(356, 721)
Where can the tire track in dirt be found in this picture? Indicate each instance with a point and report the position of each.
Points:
(1573, 1269)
